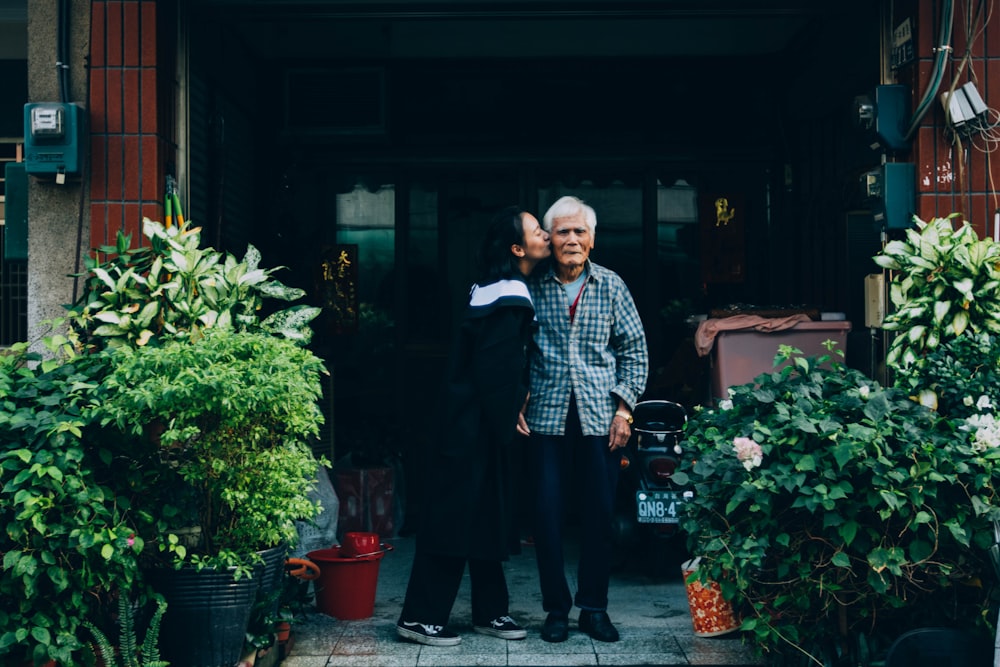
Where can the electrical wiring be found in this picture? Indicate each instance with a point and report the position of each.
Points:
(986, 135)
(943, 48)
(966, 127)
(980, 132)
(983, 131)
(62, 50)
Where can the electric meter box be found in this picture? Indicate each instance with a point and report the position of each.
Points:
(53, 132)
(896, 195)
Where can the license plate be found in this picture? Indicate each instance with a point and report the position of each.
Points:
(659, 506)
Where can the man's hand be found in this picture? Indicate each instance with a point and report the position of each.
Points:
(620, 433)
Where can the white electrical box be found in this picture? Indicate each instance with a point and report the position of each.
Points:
(874, 300)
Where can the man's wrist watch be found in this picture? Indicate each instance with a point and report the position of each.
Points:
(627, 416)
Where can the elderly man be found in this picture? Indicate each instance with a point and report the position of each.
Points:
(586, 375)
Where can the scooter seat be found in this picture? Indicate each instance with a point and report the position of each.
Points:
(658, 417)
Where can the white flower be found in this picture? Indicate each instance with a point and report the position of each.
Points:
(986, 431)
(725, 404)
(967, 401)
(984, 402)
(864, 391)
(748, 452)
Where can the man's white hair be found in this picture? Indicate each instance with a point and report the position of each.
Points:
(567, 207)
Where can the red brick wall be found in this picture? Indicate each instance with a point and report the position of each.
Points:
(951, 177)
(129, 150)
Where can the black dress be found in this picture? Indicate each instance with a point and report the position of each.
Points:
(469, 510)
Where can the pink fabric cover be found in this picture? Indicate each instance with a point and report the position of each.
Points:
(704, 337)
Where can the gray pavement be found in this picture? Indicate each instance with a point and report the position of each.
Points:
(652, 615)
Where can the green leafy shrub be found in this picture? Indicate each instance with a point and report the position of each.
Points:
(830, 507)
(229, 418)
(958, 378)
(65, 534)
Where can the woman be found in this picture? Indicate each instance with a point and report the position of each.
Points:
(468, 518)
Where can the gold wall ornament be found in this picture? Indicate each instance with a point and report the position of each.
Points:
(722, 239)
(338, 277)
(723, 214)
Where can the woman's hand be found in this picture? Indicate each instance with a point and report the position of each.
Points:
(522, 424)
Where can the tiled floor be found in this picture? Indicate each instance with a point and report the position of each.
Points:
(652, 615)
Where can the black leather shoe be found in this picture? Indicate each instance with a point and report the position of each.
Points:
(598, 626)
(556, 628)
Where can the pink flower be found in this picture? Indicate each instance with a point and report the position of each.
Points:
(748, 452)
(131, 540)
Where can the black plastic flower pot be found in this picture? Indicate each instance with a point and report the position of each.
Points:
(207, 615)
(272, 577)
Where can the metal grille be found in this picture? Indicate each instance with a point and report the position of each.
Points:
(13, 273)
(13, 300)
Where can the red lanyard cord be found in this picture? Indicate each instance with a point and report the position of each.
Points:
(572, 307)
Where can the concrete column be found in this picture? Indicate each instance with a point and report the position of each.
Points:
(57, 238)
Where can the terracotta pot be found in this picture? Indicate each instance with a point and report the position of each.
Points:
(284, 631)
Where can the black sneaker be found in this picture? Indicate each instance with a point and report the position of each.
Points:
(503, 627)
(431, 635)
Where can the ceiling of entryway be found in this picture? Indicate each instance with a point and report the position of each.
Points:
(530, 29)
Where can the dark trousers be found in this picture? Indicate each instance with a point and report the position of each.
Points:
(592, 491)
(434, 583)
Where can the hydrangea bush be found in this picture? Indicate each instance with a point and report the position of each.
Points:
(829, 507)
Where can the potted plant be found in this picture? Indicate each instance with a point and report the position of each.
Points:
(90, 478)
(235, 413)
(212, 406)
(837, 512)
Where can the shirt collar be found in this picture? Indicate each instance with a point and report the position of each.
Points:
(588, 269)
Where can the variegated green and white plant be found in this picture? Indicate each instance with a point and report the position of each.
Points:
(177, 288)
(944, 282)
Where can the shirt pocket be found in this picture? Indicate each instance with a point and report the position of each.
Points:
(596, 328)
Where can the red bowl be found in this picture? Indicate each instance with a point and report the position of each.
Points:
(358, 544)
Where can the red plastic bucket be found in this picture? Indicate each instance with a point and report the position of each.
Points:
(346, 586)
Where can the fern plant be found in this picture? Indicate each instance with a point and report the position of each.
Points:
(130, 653)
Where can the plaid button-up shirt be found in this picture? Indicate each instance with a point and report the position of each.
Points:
(598, 357)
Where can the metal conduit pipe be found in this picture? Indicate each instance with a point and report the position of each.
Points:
(943, 48)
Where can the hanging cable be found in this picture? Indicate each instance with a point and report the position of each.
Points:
(941, 59)
(62, 50)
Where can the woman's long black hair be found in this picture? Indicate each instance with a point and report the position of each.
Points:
(496, 261)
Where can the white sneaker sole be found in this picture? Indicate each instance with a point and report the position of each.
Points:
(502, 634)
(421, 638)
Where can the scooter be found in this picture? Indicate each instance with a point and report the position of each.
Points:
(649, 501)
